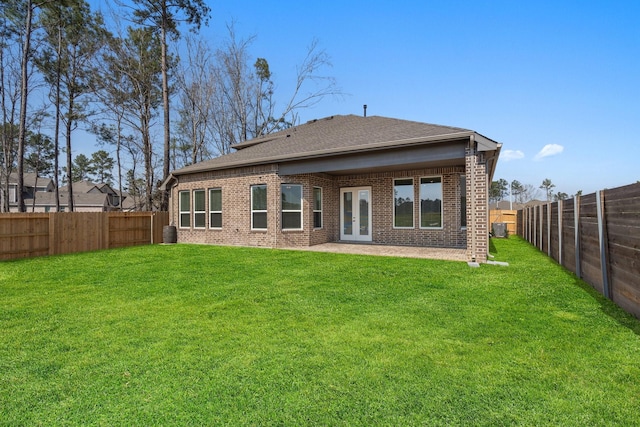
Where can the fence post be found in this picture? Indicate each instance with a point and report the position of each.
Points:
(602, 238)
(534, 235)
(541, 227)
(560, 232)
(549, 230)
(576, 221)
(529, 224)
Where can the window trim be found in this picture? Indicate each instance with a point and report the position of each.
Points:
(252, 211)
(299, 211)
(314, 210)
(182, 212)
(13, 193)
(211, 211)
(202, 212)
(413, 201)
(441, 226)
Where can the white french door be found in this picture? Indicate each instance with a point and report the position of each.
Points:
(355, 214)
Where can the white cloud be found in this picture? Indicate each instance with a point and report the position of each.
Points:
(549, 150)
(507, 155)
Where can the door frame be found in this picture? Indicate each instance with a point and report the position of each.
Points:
(356, 237)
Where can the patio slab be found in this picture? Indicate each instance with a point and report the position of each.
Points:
(385, 250)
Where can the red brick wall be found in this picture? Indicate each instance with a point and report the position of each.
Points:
(450, 236)
(236, 217)
(478, 218)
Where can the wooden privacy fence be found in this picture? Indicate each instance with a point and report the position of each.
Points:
(508, 217)
(34, 234)
(596, 236)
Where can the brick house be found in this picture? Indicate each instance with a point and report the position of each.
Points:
(39, 196)
(348, 178)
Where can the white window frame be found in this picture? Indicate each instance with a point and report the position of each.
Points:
(202, 213)
(183, 212)
(13, 193)
(298, 211)
(441, 226)
(211, 211)
(315, 211)
(413, 204)
(253, 211)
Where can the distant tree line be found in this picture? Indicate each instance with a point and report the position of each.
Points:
(153, 107)
(523, 193)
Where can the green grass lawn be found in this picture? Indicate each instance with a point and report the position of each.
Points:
(204, 335)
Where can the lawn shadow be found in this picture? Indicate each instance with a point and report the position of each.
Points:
(492, 247)
(610, 308)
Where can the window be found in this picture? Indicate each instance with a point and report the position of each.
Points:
(185, 209)
(317, 207)
(403, 203)
(259, 207)
(291, 196)
(199, 214)
(431, 202)
(463, 201)
(215, 208)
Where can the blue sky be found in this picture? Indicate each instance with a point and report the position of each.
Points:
(556, 82)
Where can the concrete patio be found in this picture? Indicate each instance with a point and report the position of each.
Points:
(385, 250)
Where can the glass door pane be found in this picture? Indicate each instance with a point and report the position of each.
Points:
(363, 196)
(347, 213)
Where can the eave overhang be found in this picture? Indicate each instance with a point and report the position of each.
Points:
(327, 153)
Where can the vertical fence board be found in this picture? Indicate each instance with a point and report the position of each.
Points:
(35, 234)
(598, 241)
(508, 217)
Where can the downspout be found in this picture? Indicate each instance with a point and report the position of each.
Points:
(472, 173)
(172, 201)
(169, 185)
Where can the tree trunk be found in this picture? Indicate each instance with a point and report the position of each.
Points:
(69, 154)
(148, 155)
(7, 141)
(24, 92)
(164, 204)
(118, 143)
(56, 136)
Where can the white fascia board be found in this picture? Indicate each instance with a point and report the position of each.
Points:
(486, 144)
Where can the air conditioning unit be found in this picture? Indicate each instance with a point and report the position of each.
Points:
(499, 229)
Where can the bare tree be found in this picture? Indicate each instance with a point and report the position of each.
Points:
(24, 93)
(138, 90)
(10, 75)
(311, 88)
(164, 16)
(233, 98)
(529, 192)
(195, 92)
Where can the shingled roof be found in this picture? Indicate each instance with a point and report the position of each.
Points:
(329, 137)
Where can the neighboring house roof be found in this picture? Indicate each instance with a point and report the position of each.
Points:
(79, 199)
(85, 194)
(29, 180)
(86, 186)
(337, 136)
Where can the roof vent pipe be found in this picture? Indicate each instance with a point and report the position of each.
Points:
(365, 109)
